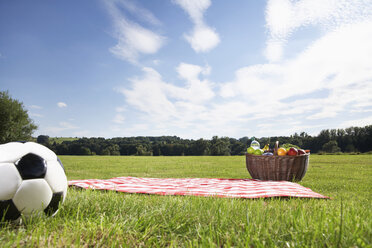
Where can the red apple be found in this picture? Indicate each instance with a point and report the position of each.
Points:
(301, 151)
(292, 151)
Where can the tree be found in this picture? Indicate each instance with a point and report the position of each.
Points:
(238, 148)
(85, 151)
(350, 148)
(331, 147)
(220, 146)
(200, 147)
(43, 139)
(15, 124)
(114, 150)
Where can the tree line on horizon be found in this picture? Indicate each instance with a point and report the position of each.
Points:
(348, 140)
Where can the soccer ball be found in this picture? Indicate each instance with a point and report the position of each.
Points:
(32, 181)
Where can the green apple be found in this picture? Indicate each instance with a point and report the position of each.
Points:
(250, 150)
(258, 152)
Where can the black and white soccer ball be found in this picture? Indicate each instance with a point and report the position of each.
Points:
(32, 181)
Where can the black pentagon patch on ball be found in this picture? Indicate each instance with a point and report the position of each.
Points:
(54, 204)
(8, 211)
(60, 162)
(31, 166)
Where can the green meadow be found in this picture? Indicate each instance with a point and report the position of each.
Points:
(109, 219)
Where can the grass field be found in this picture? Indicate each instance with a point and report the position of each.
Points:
(108, 219)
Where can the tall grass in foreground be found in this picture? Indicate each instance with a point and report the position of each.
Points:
(109, 219)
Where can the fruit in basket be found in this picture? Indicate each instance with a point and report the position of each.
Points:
(287, 146)
(292, 151)
(258, 152)
(282, 151)
(250, 150)
(301, 151)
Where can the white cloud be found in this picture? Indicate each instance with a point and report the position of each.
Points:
(274, 49)
(357, 123)
(142, 13)
(147, 94)
(133, 39)
(194, 8)
(202, 38)
(61, 105)
(196, 90)
(163, 101)
(191, 72)
(284, 17)
(338, 62)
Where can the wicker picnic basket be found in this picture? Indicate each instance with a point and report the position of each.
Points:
(277, 168)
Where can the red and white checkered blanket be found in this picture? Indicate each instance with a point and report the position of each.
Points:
(239, 188)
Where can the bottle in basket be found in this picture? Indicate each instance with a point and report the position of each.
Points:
(255, 144)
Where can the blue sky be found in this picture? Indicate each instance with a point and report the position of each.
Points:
(191, 68)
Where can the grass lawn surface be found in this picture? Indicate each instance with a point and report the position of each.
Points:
(109, 219)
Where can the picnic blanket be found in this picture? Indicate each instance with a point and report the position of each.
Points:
(234, 188)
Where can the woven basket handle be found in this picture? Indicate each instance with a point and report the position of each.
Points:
(276, 147)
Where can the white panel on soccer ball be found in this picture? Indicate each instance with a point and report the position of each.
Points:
(32, 196)
(9, 181)
(11, 152)
(56, 177)
(40, 150)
